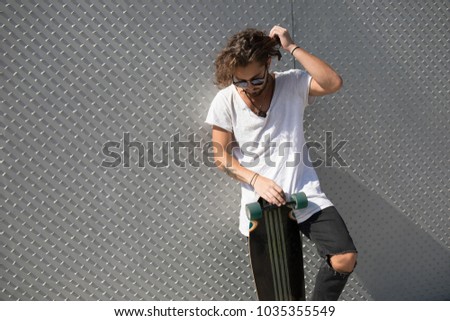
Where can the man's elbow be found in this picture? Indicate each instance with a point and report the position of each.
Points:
(339, 83)
(218, 161)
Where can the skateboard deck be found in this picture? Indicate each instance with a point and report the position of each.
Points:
(276, 250)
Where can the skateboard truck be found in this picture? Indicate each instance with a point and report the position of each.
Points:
(255, 210)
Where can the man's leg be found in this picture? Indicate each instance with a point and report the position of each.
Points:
(334, 244)
(330, 282)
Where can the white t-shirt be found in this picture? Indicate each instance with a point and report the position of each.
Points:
(273, 146)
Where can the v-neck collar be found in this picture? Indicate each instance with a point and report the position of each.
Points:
(243, 105)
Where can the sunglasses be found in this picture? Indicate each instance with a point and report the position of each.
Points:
(254, 82)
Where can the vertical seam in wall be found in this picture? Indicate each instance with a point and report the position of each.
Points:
(293, 26)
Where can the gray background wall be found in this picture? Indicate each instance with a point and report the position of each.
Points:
(77, 75)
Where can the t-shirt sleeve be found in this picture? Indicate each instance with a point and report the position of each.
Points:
(302, 83)
(219, 113)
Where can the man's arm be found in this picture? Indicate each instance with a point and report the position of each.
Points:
(325, 80)
(223, 159)
(265, 187)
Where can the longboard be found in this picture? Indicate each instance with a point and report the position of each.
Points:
(276, 250)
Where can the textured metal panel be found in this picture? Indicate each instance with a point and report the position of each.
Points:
(393, 115)
(77, 75)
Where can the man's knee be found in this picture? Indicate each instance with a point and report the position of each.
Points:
(343, 263)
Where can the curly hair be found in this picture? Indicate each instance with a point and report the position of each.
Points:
(243, 48)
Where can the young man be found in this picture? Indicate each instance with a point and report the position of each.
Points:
(257, 131)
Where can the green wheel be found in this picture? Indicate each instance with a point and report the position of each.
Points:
(300, 200)
(254, 211)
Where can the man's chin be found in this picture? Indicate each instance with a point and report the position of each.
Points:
(254, 94)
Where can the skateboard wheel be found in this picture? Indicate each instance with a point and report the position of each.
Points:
(300, 199)
(252, 226)
(292, 216)
(254, 211)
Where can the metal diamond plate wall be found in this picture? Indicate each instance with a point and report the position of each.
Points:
(108, 192)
